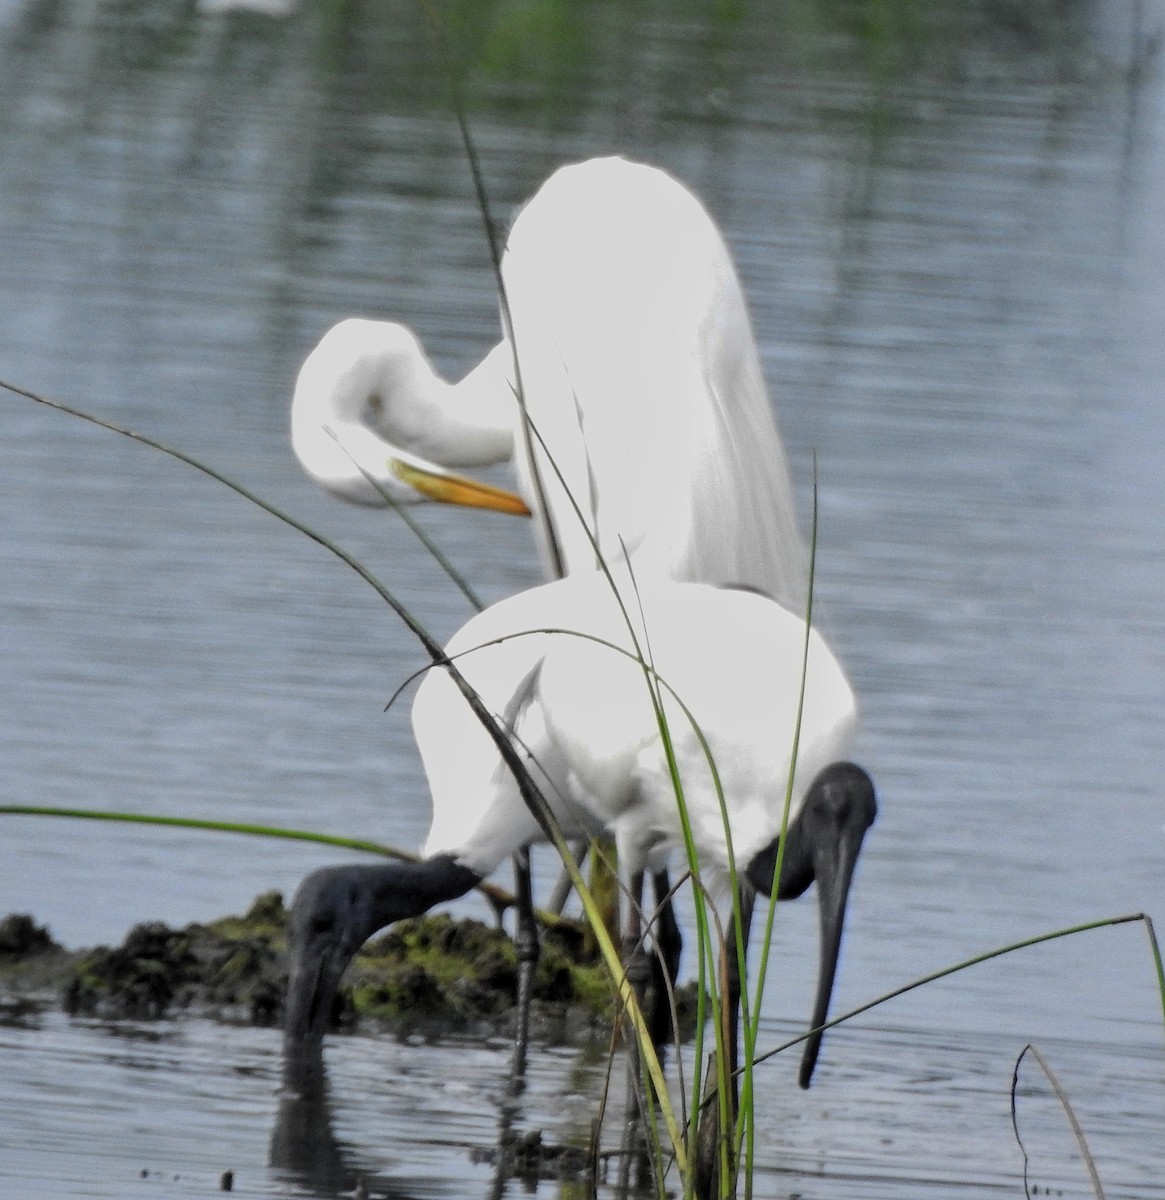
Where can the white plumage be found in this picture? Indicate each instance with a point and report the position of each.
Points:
(627, 392)
(639, 372)
(582, 710)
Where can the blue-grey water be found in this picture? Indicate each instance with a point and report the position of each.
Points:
(950, 221)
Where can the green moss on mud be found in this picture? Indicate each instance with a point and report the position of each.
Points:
(434, 970)
(430, 973)
(233, 968)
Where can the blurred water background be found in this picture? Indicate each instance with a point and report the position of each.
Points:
(950, 222)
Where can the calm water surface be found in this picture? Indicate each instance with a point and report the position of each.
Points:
(950, 220)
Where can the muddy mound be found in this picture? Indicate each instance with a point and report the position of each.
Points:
(428, 974)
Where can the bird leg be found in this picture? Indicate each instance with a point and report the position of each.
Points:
(637, 966)
(556, 902)
(652, 975)
(737, 959)
(668, 939)
(711, 1132)
(642, 970)
(667, 943)
(635, 958)
(526, 945)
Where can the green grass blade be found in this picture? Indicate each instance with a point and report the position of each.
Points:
(401, 611)
(751, 1028)
(497, 896)
(529, 792)
(269, 831)
(1156, 950)
(965, 964)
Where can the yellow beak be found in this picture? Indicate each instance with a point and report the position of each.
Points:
(456, 489)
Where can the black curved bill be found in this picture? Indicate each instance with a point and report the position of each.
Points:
(822, 844)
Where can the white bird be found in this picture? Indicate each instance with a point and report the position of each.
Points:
(627, 392)
(628, 342)
(557, 668)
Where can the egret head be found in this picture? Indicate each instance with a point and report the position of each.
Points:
(364, 395)
(822, 846)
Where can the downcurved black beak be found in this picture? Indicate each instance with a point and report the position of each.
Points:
(311, 997)
(822, 843)
(319, 950)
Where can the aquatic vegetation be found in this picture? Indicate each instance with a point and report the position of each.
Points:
(432, 972)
